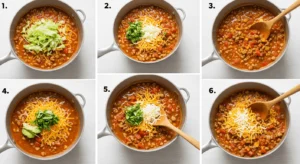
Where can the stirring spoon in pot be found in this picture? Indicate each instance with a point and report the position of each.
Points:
(163, 121)
(265, 27)
(262, 108)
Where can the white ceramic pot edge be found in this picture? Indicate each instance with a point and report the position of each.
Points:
(114, 46)
(215, 56)
(7, 145)
(212, 142)
(12, 55)
(107, 131)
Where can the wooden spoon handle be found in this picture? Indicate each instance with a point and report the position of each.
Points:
(286, 11)
(187, 137)
(286, 94)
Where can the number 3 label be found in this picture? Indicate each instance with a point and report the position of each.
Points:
(211, 6)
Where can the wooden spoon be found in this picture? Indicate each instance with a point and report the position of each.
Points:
(262, 108)
(265, 27)
(163, 121)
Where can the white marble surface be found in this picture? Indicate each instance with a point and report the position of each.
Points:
(185, 60)
(287, 68)
(288, 153)
(83, 153)
(110, 151)
(83, 67)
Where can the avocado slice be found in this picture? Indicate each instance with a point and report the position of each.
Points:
(32, 129)
(49, 112)
(27, 133)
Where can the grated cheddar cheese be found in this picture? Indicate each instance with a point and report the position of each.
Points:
(59, 131)
(153, 36)
(242, 121)
(145, 98)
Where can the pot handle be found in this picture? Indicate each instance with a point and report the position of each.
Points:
(103, 133)
(187, 93)
(183, 13)
(288, 101)
(7, 58)
(106, 50)
(208, 146)
(210, 58)
(83, 99)
(6, 146)
(83, 14)
(288, 16)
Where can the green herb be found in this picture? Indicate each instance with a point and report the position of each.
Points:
(45, 119)
(134, 115)
(134, 32)
(43, 36)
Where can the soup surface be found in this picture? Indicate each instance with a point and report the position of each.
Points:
(243, 47)
(46, 38)
(244, 133)
(148, 33)
(44, 124)
(136, 110)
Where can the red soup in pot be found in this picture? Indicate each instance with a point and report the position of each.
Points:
(242, 47)
(242, 132)
(44, 124)
(46, 38)
(148, 33)
(135, 111)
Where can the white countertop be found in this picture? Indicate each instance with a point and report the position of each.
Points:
(83, 153)
(185, 60)
(288, 153)
(110, 151)
(83, 67)
(288, 67)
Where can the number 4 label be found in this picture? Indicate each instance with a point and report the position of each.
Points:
(5, 91)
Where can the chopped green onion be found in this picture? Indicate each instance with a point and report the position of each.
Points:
(134, 32)
(134, 115)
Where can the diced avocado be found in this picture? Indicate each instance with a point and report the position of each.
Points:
(27, 133)
(32, 129)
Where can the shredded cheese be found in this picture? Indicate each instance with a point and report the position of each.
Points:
(144, 97)
(151, 113)
(151, 105)
(153, 36)
(243, 122)
(60, 131)
(150, 32)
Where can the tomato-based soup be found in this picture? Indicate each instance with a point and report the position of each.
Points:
(145, 136)
(59, 137)
(46, 38)
(242, 47)
(148, 33)
(243, 132)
